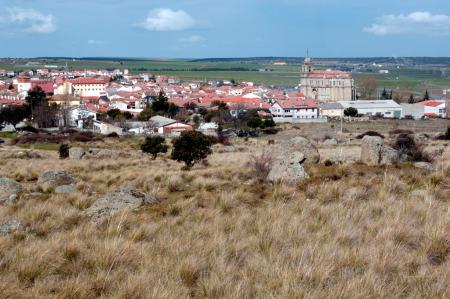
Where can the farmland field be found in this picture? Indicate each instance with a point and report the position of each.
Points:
(406, 78)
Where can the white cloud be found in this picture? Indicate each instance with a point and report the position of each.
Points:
(28, 20)
(95, 42)
(165, 19)
(421, 22)
(193, 39)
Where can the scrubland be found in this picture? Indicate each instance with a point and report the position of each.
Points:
(349, 231)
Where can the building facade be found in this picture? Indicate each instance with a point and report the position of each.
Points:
(326, 85)
(379, 108)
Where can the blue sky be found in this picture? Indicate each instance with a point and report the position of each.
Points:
(233, 28)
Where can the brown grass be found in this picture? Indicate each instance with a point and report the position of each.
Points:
(219, 233)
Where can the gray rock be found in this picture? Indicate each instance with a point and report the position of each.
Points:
(288, 169)
(298, 144)
(9, 227)
(76, 153)
(374, 152)
(425, 165)
(421, 138)
(93, 151)
(9, 190)
(229, 149)
(331, 141)
(25, 155)
(64, 189)
(104, 153)
(52, 179)
(118, 201)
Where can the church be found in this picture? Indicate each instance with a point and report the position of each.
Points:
(326, 85)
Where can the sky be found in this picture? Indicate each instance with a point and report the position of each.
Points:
(217, 28)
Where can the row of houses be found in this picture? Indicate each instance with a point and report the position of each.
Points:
(157, 125)
(307, 110)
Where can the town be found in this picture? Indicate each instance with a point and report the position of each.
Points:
(107, 101)
(224, 149)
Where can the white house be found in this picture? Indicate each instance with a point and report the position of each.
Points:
(166, 126)
(414, 111)
(331, 110)
(78, 116)
(295, 109)
(88, 87)
(382, 108)
(434, 108)
(105, 128)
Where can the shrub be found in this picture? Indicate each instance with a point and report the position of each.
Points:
(113, 135)
(400, 131)
(268, 123)
(64, 151)
(261, 165)
(28, 128)
(350, 111)
(328, 163)
(446, 135)
(224, 140)
(270, 131)
(254, 122)
(369, 133)
(191, 147)
(154, 145)
(406, 145)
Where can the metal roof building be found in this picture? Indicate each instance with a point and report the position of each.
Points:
(384, 108)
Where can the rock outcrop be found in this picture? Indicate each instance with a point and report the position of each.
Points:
(298, 144)
(118, 201)
(331, 141)
(288, 169)
(425, 165)
(374, 152)
(9, 189)
(78, 153)
(52, 179)
(8, 227)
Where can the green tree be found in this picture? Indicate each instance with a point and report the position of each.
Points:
(191, 147)
(196, 119)
(14, 114)
(269, 123)
(426, 96)
(161, 104)
(145, 114)
(35, 96)
(114, 113)
(350, 111)
(254, 122)
(64, 151)
(154, 145)
(384, 94)
(127, 115)
(411, 99)
(172, 110)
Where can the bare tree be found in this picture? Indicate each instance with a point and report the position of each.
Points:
(368, 87)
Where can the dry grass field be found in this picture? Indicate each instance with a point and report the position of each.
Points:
(217, 232)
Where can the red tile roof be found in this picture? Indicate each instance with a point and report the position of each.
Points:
(297, 103)
(431, 103)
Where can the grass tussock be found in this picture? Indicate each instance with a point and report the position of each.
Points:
(220, 232)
